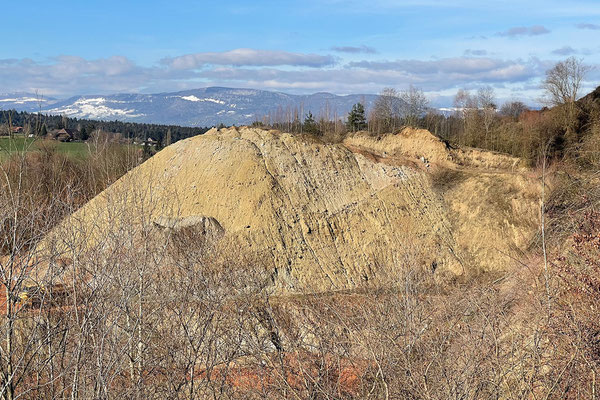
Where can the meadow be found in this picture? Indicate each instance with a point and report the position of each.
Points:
(16, 144)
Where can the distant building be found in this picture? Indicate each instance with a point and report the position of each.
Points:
(64, 135)
(17, 129)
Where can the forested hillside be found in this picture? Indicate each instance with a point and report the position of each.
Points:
(141, 131)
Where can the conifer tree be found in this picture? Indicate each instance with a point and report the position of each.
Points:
(83, 134)
(310, 126)
(356, 118)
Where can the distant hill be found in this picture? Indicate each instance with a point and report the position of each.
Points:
(198, 107)
(22, 101)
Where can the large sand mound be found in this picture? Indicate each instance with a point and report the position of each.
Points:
(328, 216)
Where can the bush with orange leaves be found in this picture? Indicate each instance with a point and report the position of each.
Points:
(577, 325)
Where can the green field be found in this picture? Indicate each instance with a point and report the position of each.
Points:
(9, 146)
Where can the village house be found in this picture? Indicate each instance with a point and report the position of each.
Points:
(64, 135)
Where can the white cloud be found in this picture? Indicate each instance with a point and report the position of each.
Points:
(248, 57)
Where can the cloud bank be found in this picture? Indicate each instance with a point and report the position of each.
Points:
(248, 57)
(565, 51)
(524, 31)
(588, 26)
(301, 73)
(354, 50)
(475, 52)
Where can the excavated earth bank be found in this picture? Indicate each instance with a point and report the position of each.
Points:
(333, 216)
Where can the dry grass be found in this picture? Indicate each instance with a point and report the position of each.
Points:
(444, 179)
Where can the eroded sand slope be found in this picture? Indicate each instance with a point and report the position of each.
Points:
(335, 216)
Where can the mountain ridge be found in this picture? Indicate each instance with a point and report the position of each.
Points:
(209, 106)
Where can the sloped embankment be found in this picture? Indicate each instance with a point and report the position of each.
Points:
(330, 216)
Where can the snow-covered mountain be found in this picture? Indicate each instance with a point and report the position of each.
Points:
(24, 102)
(198, 107)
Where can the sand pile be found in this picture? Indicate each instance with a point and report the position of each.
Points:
(326, 216)
(411, 143)
(420, 144)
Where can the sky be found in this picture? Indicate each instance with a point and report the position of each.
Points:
(66, 47)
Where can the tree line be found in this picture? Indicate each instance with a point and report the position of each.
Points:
(565, 127)
(40, 124)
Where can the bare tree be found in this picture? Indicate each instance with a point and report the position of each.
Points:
(27, 277)
(168, 139)
(513, 109)
(415, 105)
(9, 126)
(38, 118)
(387, 110)
(562, 85)
(487, 103)
(467, 108)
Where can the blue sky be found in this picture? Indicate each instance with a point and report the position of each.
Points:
(71, 47)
